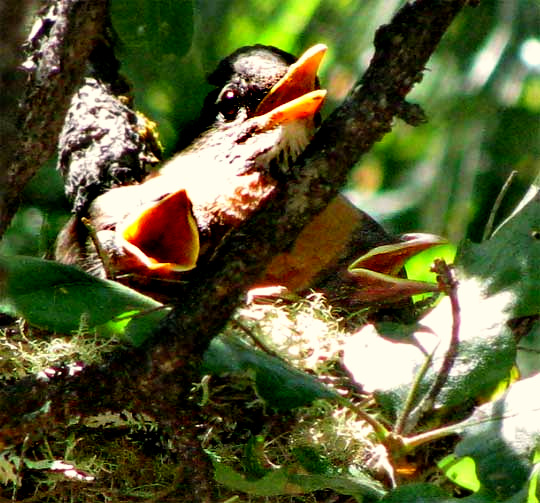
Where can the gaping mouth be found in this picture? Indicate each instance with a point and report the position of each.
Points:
(376, 272)
(295, 96)
(163, 237)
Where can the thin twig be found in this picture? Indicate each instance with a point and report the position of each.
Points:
(103, 257)
(413, 392)
(378, 428)
(448, 284)
(260, 344)
(411, 443)
(489, 225)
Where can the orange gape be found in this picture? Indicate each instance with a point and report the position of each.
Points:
(169, 243)
(262, 117)
(259, 120)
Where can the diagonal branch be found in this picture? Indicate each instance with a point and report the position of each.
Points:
(402, 50)
(158, 377)
(12, 15)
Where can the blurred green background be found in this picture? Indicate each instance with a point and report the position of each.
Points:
(481, 92)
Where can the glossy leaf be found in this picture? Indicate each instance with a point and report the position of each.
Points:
(509, 261)
(461, 471)
(502, 437)
(60, 298)
(498, 281)
(280, 385)
(386, 358)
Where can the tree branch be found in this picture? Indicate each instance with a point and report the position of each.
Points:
(11, 19)
(157, 378)
(402, 49)
(59, 45)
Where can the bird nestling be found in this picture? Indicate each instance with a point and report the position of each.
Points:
(260, 117)
(263, 117)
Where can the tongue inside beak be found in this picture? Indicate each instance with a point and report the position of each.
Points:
(164, 237)
(300, 80)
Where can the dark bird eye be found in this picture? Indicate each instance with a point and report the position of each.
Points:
(228, 104)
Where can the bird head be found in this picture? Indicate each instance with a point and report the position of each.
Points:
(259, 118)
(262, 114)
(243, 80)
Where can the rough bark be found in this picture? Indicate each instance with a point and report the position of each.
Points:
(403, 48)
(157, 378)
(58, 48)
(12, 14)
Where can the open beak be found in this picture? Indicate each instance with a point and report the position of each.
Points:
(376, 272)
(163, 237)
(300, 79)
(302, 108)
(296, 95)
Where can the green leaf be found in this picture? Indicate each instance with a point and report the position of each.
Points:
(272, 484)
(461, 471)
(485, 355)
(287, 481)
(528, 350)
(509, 261)
(142, 326)
(502, 437)
(280, 385)
(534, 490)
(417, 493)
(253, 461)
(60, 298)
(498, 281)
(418, 266)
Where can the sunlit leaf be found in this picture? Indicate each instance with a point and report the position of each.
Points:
(502, 437)
(460, 471)
(60, 298)
(386, 358)
(508, 262)
(290, 481)
(280, 385)
(418, 266)
(498, 281)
